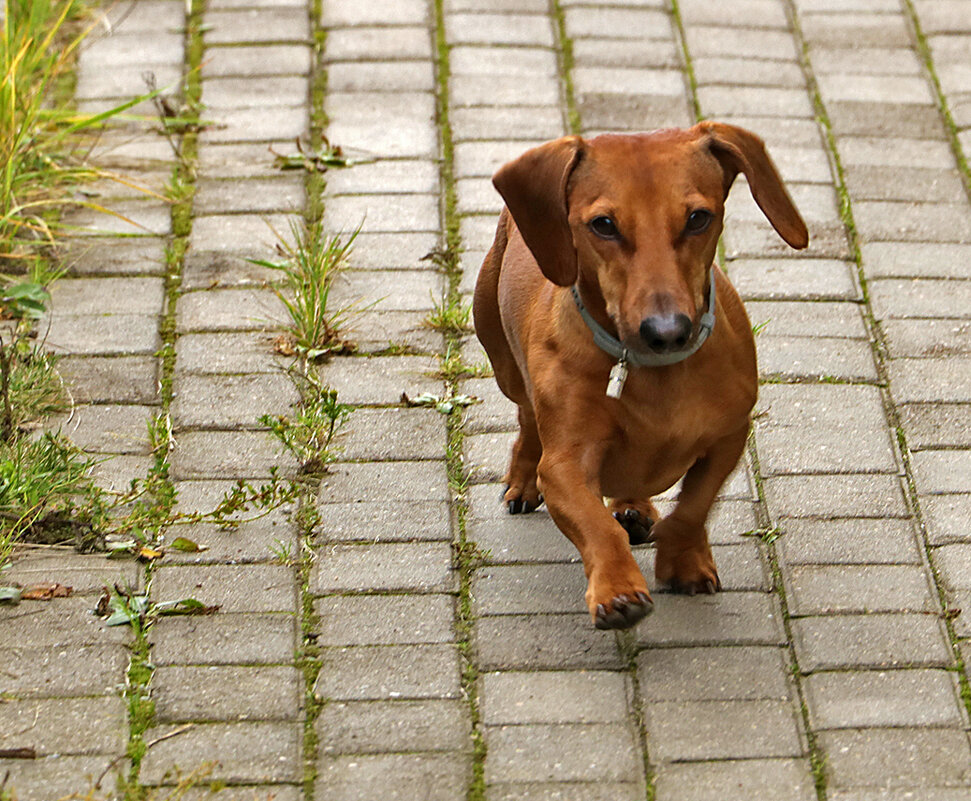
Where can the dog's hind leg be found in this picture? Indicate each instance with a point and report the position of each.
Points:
(522, 493)
(637, 518)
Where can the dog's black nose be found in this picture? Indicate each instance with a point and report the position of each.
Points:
(666, 332)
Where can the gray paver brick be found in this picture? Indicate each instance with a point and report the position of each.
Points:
(942, 471)
(393, 777)
(226, 693)
(385, 619)
(895, 698)
(558, 696)
(369, 727)
(385, 521)
(382, 380)
(42, 779)
(948, 517)
(833, 496)
(544, 642)
(242, 752)
(565, 791)
(234, 588)
(713, 674)
(945, 378)
(377, 43)
(52, 726)
(739, 618)
(414, 567)
(224, 639)
(231, 401)
(849, 541)
(216, 454)
(736, 780)
(252, 61)
(562, 752)
(413, 481)
(930, 339)
(253, 25)
(826, 589)
(875, 641)
(695, 730)
(105, 335)
(363, 673)
(80, 668)
(385, 434)
(905, 758)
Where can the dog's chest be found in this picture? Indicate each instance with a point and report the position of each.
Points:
(657, 439)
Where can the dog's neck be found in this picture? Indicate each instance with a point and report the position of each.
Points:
(608, 342)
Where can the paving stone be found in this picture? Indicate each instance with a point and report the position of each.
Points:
(565, 791)
(242, 752)
(392, 251)
(385, 520)
(388, 290)
(942, 471)
(380, 214)
(694, 730)
(389, 671)
(736, 780)
(807, 429)
(518, 589)
(234, 588)
(800, 319)
(393, 777)
(931, 380)
(561, 696)
(391, 176)
(254, 25)
(108, 428)
(740, 618)
(855, 30)
(225, 693)
(238, 93)
(214, 270)
(948, 517)
(498, 29)
(228, 352)
(733, 673)
(276, 792)
(544, 642)
(217, 454)
(874, 641)
(770, 101)
(522, 61)
(495, 413)
(230, 310)
(386, 619)
(75, 669)
(894, 698)
(374, 43)
(533, 121)
(253, 61)
(115, 379)
(231, 401)
(815, 358)
(247, 195)
(915, 222)
(847, 542)
(827, 589)
(128, 256)
(104, 335)
(388, 567)
(612, 111)
(54, 727)
(866, 61)
(374, 727)
(940, 185)
(710, 40)
(835, 496)
(932, 425)
(562, 752)
(746, 14)
(862, 118)
(224, 639)
(243, 235)
(398, 125)
(927, 338)
(413, 481)
(243, 159)
(42, 779)
(904, 758)
(361, 381)
(86, 574)
(797, 279)
(381, 76)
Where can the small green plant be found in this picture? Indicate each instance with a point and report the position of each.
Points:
(309, 266)
(758, 328)
(768, 534)
(309, 435)
(450, 316)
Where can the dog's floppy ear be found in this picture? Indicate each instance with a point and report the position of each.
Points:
(534, 188)
(738, 151)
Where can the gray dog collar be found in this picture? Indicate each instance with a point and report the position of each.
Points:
(613, 347)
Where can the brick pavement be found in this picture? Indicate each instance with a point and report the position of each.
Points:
(396, 666)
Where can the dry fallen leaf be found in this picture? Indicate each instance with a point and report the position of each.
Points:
(44, 592)
(147, 554)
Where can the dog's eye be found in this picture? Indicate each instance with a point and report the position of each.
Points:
(604, 227)
(698, 221)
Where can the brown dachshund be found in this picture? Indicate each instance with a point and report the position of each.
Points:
(595, 305)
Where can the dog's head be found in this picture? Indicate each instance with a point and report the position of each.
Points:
(638, 218)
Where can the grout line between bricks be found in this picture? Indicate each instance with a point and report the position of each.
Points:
(763, 517)
(880, 350)
(466, 553)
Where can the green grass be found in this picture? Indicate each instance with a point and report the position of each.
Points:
(310, 264)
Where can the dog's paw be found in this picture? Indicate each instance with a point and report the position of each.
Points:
(520, 501)
(689, 571)
(637, 526)
(708, 586)
(622, 611)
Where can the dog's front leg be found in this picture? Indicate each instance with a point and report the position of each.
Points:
(617, 594)
(684, 562)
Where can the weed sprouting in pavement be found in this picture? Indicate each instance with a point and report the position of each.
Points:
(310, 264)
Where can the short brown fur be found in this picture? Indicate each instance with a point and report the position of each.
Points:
(689, 419)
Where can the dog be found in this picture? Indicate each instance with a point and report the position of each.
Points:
(627, 351)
